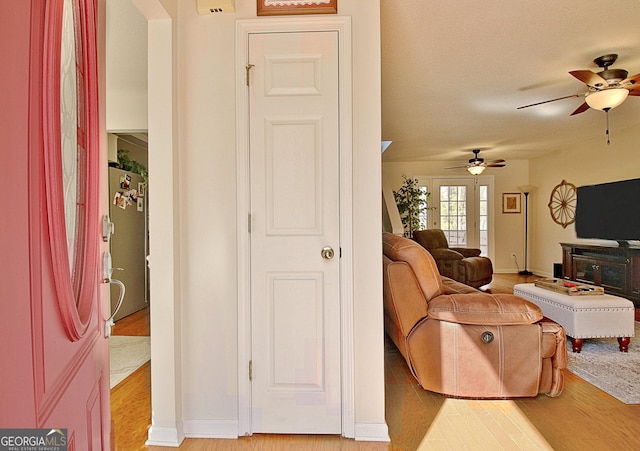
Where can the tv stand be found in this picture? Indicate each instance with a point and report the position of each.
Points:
(615, 268)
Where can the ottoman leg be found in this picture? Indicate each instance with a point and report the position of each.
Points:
(577, 344)
(624, 343)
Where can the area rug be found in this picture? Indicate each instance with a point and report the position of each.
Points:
(602, 364)
(127, 354)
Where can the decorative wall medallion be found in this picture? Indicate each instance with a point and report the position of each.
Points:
(562, 203)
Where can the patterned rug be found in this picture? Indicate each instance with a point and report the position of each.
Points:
(602, 364)
(127, 354)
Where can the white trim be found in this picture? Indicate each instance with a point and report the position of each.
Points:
(159, 436)
(372, 432)
(279, 24)
(487, 180)
(211, 429)
(164, 236)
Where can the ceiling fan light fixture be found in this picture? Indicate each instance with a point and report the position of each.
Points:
(607, 99)
(476, 170)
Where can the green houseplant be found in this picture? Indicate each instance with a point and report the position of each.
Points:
(412, 201)
(126, 163)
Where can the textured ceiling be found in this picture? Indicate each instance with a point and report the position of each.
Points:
(454, 72)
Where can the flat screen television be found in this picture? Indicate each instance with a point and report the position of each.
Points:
(609, 211)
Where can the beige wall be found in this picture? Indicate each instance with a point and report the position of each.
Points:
(583, 163)
(136, 152)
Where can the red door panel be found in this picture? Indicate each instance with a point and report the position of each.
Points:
(54, 371)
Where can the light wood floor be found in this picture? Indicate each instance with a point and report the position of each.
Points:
(582, 418)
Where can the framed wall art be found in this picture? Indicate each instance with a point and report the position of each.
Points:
(511, 202)
(285, 7)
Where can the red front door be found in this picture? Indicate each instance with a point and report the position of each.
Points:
(54, 367)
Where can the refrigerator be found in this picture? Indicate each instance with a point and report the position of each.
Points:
(129, 242)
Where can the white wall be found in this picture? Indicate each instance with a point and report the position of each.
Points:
(126, 67)
(367, 217)
(207, 155)
(208, 242)
(193, 228)
(582, 163)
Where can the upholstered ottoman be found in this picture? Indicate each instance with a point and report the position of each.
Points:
(591, 316)
(475, 271)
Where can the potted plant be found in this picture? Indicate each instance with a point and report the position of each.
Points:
(412, 201)
(126, 163)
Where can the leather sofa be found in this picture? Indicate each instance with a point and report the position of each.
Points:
(462, 342)
(463, 264)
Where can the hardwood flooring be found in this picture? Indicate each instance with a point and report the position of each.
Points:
(134, 325)
(582, 418)
(131, 398)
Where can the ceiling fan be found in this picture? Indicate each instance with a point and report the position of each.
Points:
(606, 89)
(477, 165)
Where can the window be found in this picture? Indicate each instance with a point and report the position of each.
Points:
(453, 213)
(462, 210)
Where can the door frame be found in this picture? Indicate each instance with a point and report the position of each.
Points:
(244, 28)
(489, 181)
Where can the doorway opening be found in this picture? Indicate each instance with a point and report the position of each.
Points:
(462, 209)
(130, 340)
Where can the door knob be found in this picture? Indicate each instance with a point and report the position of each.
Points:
(327, 253)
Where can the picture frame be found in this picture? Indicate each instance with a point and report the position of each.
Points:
(511, 202)
(141, 189)
(286, 7)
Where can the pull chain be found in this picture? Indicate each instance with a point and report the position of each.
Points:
(606, 113)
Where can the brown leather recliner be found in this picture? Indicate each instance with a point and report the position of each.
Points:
(467, 344)
(463, 264)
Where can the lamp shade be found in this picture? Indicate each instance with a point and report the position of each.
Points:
(527, 189)
(607, 99)
(476, 170)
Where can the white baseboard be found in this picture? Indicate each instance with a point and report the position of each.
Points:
(505, 271)
(162, 436)
(228, 429)
(372, 432)
(211, 428)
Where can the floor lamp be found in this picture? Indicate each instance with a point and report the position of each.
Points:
(526, 189)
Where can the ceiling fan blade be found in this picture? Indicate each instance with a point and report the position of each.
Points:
(590, 78)
(496, 165)
(551, 100)
(635, 91)
(464, 166)
(631, 80)
(496, 161)
(581, 109)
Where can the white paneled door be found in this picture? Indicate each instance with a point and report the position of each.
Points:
(295, 232)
